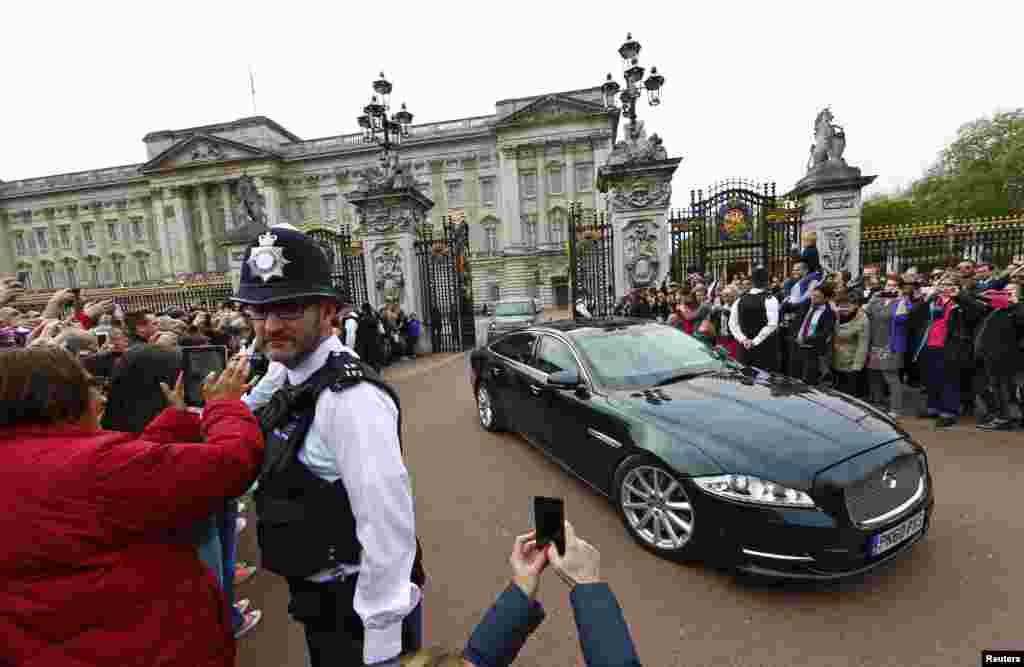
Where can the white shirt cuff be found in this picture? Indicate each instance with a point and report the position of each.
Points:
(380, 644)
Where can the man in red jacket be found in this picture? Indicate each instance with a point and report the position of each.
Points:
(98, 560)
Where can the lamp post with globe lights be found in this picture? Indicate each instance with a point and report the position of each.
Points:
(379, 125)
(632, 73)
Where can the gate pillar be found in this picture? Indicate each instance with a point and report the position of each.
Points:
(638, 180)
(830, 193)
(388, 210)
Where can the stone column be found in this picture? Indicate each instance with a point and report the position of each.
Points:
(542, 194)
(638, 184)
(179, 233)
(225, 195)
(831, 195)
(508, 186)
(7, 246)
(209, 238)
(569, 182)
(270, 189)
(161, 238)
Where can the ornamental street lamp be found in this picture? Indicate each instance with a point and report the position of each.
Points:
(632, 73)
(378, 125)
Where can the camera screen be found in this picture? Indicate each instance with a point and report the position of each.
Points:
(199, 362)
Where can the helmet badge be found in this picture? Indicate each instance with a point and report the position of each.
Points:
(267, 261)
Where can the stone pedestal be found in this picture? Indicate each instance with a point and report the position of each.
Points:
(638, 180)
(831, 197)
(236, 242)
(387, 220)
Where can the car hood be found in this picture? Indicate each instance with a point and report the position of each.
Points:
(769, 426)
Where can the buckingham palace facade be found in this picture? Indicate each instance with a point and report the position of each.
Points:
(511, 174)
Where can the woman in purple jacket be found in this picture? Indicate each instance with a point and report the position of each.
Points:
(887, 314)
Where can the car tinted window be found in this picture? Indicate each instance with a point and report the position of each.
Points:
(513, 308)
(641, 355)
(518, 347)
(553, 355)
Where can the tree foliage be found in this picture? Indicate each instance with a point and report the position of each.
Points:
(969, 179)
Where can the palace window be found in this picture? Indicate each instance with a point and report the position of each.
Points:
(490, 239)
(585, 177)
(530, 230)
(455, 196)
(94, 274)
(126, 231)
(555, 185)
(71, 274)
(20, 249)
(65, 237)
(25, 278)
(41, 240)
(48, 277)
(528, 185)
(112, 232)
(300, 211)
(556, 227)
(138, 231)
(118, 271)
(487, 192)
(87, 235)
(143, 273)
(330, 208)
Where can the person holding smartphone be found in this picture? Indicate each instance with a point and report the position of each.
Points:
(334, 499)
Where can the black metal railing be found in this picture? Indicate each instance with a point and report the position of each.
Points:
(446, 285)
(207, 296)
(591, 260)
(930, 245)
(348, 263)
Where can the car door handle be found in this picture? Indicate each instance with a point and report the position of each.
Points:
(535, 390)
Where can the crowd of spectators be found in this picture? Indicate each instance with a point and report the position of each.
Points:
(936, 344)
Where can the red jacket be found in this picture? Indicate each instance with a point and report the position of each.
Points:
(97, 560)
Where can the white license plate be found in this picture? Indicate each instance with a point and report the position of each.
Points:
(888, 539)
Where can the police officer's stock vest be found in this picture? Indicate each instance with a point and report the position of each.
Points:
(306, 523)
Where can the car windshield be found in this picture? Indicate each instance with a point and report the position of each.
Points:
(512, 309)
(644, 355)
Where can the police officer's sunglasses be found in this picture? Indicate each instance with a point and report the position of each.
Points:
(289, 310)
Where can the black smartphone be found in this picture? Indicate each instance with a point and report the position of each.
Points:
(549, 522)
(101, 339)
(197, 363)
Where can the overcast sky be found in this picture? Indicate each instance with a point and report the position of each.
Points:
(83, 82)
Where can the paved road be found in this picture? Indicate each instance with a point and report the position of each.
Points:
(956, 594)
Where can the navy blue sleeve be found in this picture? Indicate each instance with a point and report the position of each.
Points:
(497, 639)
(602, 629)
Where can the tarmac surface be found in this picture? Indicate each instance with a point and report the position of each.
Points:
(958, 592)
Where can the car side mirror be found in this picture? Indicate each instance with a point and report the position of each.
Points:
(567, 379)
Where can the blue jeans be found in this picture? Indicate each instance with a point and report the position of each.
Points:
(943, 387)
(229, 552)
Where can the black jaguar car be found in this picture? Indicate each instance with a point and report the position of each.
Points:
(705, 458)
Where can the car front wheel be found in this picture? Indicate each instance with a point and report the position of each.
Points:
(491, 417)
(657, 509)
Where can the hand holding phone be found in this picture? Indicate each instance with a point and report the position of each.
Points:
(549, 521)
(197, 364)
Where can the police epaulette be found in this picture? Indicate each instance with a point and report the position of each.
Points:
(350, 370)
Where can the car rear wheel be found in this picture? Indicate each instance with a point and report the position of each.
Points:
(491, 417)
(657, 509)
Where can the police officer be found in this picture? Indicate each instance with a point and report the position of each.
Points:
(334, 499)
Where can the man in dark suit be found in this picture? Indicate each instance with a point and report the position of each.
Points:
(813, 336)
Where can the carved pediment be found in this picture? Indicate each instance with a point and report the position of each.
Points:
(547, 108)
(203, 149)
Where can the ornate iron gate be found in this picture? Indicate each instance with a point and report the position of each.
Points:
(591, 260)
(739, 225)
(348, 266)
(447, 285)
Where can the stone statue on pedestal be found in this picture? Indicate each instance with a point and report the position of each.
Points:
(829, 141)
(252, 203)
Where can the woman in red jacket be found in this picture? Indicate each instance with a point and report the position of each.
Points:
(97, 564)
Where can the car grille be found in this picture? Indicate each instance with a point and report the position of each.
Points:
(885, 490)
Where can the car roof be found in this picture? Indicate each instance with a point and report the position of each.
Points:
(570, 325)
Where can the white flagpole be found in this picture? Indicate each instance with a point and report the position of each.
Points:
(252, 88)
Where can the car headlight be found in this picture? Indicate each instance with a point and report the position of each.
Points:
(750, 489)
